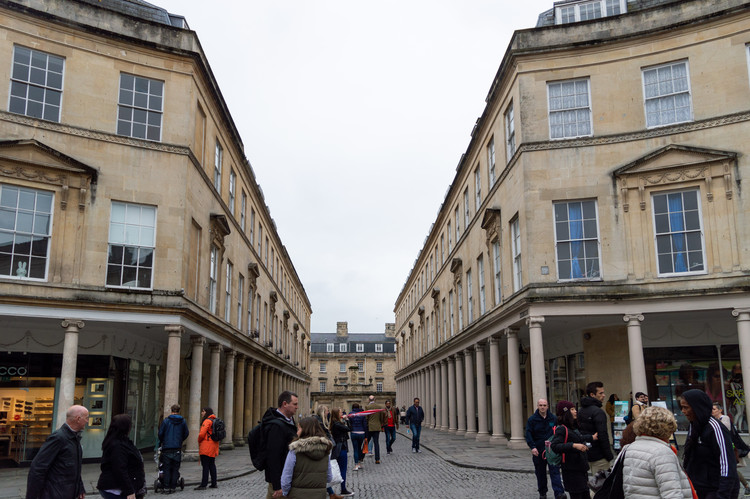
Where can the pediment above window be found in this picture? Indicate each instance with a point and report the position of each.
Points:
(219, 229)
(677, 164)
(32, 161)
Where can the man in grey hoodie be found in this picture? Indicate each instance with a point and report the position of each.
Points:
(172, 432)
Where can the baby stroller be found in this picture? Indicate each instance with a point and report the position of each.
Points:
(159, 483)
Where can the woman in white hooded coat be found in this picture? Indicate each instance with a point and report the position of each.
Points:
(651, 468)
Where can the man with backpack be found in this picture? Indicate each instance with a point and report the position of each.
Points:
(539, 428)
(172, 433)
(592, 419)
(269, 441)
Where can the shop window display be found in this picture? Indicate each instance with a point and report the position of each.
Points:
(567, 378)
(716, 371)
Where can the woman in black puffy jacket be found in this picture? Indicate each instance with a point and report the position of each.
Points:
(571, 443)
(122, 464)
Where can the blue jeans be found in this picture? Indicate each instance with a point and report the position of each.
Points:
(416, 430)
(540, 468)
(342, 460)
(357, 440)
(390, 437)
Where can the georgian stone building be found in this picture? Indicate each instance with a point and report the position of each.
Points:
(598, 225)
(139, 263)
(348, 368)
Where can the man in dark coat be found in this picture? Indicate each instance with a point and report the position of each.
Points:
(414, 417)
(709, 457)
(279, 429)
(592, 419)
(538, 430)
(172, 432)
(55, 472)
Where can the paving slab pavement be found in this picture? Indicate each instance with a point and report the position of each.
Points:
(455, 449)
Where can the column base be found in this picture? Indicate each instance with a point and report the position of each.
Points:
(443, 428)
(498, 439)
(471, 434)
(460, 432)
(190, 455)
(517, 443)
(483, 436)
(226, 446)
(239, 442)
(452, 430)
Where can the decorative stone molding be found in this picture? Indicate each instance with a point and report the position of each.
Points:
(537, 321)
(491, 226)
(72, 324)
(633, 318)
(436, 299)
(218, 230)
(252, 274)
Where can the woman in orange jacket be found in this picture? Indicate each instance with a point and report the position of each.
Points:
(207, 448)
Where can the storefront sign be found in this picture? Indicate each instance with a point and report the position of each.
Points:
(13, 371)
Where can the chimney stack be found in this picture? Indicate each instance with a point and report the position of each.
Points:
(342, 329)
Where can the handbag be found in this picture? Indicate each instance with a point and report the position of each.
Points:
(336, 473)
(611, 487)
(336, 452)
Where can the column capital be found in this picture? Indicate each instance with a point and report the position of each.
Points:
(231, 353)
(494, 340)
(198, 341)
(535, 320)
(72, 323)
(444, 361)
(264, 367)
(174, 329)
(742, 314)
(480, 346)
(511, 332)
(633, 318)
(468, 351)
(216, 348)
(452, 359)
(240, 357)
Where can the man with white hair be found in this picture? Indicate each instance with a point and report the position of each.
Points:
(56, 470)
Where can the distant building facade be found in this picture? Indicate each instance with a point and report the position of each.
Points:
(139, 263)
(348, 368)
(598, 225)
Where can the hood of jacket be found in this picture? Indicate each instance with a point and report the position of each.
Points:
(315, 448)
(272, 413)
(589, 401)
(701, 405)
(175, 419)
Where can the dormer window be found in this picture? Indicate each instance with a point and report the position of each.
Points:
(573, 12)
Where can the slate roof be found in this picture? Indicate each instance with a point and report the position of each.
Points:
(547, 18)
(135, 8)
(351, 338)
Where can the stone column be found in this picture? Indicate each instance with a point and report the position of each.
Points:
(483, 433)
(452, 399)
(276, 385)
(238, 436)
(517, 439)
(264, 388)
(172, 376)
(433, 399)
(497, 393)
(247, 414)
(445, 396)
(460, 394)
(228, 443)
(536, 353)
(635, 348)
(66, 396)
(194, 404)
(423, 394)
(743, 335)
(258, 409)
(213, 378)
(471, 420)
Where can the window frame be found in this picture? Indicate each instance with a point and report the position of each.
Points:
(700, 231)
(213, 277)
(582, 240)
(516, 251)
(491, 161)
(510, 131)
(218, 160)
(646, 99)
(497, 263)
(27, 84)
(378, 348)
(228, 292)
(480, 282)
(323, 366)
(133, 108)
(360, 347)
(329, 347)
(478, 187)
(575, 108)
(232, 189)
(126, 206)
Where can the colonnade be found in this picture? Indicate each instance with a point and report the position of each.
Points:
(453, 389)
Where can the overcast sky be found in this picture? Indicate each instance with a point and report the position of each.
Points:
(354, 116)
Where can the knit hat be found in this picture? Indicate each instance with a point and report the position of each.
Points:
(563, 406)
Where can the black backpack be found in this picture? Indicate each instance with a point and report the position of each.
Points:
(218, 430)
(256, 444)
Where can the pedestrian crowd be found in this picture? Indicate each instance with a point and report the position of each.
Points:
(308, 458)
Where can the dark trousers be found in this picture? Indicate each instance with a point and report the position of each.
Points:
(540, 468)
(390, 437)
(209, 466)
(170, 464)
(342, 460)
(416, 431)
(357, 440)
(375, 440)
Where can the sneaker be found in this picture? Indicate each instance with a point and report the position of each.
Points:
(377, 462)
(419, 450)
(200, 487)
(356, 467)
(346, 493)
(214, 486)
(414, 450)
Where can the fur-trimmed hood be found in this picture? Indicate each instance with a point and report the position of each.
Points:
(315, 448)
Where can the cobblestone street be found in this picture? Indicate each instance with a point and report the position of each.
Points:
(401, 474)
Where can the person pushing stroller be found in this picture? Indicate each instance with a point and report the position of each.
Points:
(172, 433)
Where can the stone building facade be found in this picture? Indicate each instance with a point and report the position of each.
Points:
(139, 263)
(598, 225)
(348, 368)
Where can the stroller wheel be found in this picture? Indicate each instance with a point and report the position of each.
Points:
(182, 483)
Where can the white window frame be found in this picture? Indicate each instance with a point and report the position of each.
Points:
(563, 221)
(228, 292)
(665, 97)
(378, 348)
(442, 249)
(243, 210)
(458, 226)
(450, 243)
(342, 347)
(240, 297)
(452, 321)
(469, 296)
(515, 241)
(137, 219)
(699, 231)
(360, 366)
(342, 367)
(578, 108)
(252, 226)
(606, 8)
(467, 209)
(379, 366)
(21, 84)
(360, 347)
(323, 366)
(218, 159)
(491, 161)
(329, 347)
(213, 275)
(323, 387)
(378, 387)
(510, 132)
(498, 271)
(21, 262)
(480, 276)
(460, 299)
(478, 186)
(130, 101)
